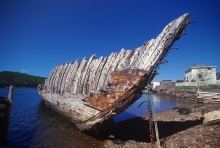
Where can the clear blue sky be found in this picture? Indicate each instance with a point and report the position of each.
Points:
(37, 35)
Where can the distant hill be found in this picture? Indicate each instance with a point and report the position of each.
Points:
(18, 79)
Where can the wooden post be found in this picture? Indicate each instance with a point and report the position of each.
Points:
(11, 94)
(10, 98)
(5, 116)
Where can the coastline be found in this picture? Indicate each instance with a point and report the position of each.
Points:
(175, 130)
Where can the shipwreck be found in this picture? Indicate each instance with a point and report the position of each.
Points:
(93, 90)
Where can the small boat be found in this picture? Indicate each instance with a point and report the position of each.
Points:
(93, 90)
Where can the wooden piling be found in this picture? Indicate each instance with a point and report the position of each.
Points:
(5, 113)
(11, 94)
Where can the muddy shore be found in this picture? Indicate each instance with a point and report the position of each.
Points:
(175, 130)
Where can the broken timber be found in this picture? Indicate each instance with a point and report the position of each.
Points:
(208, 97)
(90, 91)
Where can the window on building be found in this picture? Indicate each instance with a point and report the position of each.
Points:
(189, 70)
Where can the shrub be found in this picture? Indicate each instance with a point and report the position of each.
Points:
(184, 111)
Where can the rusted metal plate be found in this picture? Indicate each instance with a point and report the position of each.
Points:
(122, 81)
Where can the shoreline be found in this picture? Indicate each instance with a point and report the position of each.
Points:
(175, 130)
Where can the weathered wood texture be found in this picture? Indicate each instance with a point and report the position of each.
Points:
(106, 86)
(208, 97)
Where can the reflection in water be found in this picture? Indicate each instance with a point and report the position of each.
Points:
(161, 103)
(33, 124)
(55, 130)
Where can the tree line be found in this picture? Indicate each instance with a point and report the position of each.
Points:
(18, 79)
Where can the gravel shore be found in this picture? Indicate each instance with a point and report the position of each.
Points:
(175, 130)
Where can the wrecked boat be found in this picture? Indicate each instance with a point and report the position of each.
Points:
(93, 90)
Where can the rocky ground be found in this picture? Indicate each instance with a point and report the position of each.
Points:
(175, 130)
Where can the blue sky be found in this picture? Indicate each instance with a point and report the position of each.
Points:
(36, 36)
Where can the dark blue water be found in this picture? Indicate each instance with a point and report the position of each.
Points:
(23, 118)
(33, 124)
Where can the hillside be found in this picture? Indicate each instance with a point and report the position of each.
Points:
(17, 79)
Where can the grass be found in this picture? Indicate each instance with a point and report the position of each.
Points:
(204, 88)
(185, 87)
(210, 87)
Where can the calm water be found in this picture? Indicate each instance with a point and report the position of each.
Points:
(33, 124)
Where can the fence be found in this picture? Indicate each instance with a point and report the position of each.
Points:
(200, 83)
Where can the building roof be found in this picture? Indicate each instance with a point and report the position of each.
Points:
(199, 67)
(166, 80)
(202, 66)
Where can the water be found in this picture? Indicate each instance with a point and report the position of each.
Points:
(33, 124)
(161, 103)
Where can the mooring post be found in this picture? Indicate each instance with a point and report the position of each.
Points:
(11, 94)
(5, 113)
(153, 115)
(10, 98)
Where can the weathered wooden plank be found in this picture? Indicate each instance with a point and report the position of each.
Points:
(57, 78)
(125, 63)
(208, 97)
(73, 75)
(102, 72)
(139, 55)
(110, 68)
(47, 84)
(73, 82)
(63, 81)
(62, 71)
(76, 83)
(52, 77)
(85, 74)
(134, 57)
(204, 93)
(93, 74)
(86, 85)
(117, 61)
(98, 74)
(68, 77)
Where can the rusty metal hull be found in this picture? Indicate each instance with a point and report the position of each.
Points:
(91, 91)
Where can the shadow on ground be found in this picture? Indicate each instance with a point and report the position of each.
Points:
(138, 129)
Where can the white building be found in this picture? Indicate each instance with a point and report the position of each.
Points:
(200, 73)
(156, 84)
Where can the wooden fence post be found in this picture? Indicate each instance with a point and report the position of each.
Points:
(11, 94)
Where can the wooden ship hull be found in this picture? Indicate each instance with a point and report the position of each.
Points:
(91, 91)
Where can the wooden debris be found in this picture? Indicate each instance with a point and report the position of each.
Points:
(208, 97)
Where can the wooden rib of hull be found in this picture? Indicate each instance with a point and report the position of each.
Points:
(90, 91)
